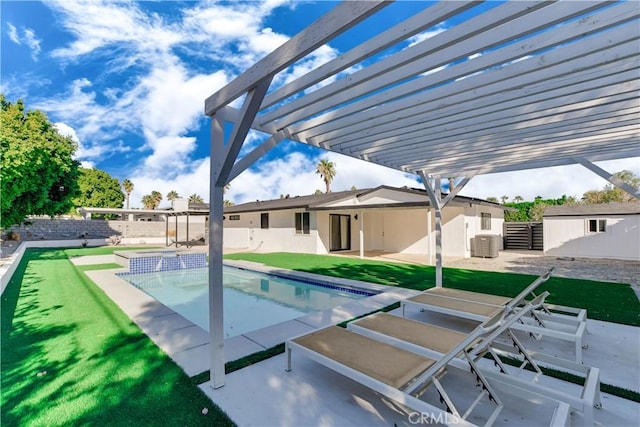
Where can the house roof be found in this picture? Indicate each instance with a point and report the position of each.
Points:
(499, 86)
(595, 209)
(324, 201)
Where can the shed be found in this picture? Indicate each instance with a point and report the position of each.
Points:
(609, 230)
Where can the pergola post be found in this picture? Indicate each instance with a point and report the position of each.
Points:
(361, 217)
(434, 197)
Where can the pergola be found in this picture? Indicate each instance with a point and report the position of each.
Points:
(504, 87)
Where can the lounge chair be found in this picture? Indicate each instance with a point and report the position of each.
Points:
(404, 376)
(433, 341)
(542, 322)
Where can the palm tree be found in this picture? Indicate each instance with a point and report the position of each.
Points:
(127, 186)
(327, 172)
(148, 202)
(518, 199)
(195, 198)
(504, 199)
(172, 195)
(157, 198)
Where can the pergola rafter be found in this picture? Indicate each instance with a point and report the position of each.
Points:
(498, 88)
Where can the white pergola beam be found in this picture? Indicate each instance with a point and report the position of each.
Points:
(429, 17)
(338, 20)
(507, 96)
(432, 54)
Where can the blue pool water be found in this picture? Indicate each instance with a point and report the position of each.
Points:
(252, 300)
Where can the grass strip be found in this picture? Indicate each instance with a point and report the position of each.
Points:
(243, 362)
(70, 356)
(610, 302)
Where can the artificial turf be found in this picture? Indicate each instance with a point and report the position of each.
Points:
(611, 302)
(70, 356)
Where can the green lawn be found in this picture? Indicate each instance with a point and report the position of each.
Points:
(610, 302)
(70, 356)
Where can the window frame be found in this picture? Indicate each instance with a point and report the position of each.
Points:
(264, 220)
(485, 218)
(234, 217)
(302, 223)
(599, 225)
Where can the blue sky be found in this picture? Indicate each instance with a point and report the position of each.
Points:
(128, 82)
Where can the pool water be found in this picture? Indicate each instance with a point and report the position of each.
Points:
(252, 300)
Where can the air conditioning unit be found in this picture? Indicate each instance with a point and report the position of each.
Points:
(486, 245)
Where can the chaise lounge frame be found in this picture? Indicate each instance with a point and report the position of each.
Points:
(407, 392)
(479, 307)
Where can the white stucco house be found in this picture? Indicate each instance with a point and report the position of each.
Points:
(593, 231)
(387, 219)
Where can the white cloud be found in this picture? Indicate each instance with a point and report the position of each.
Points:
(28, 38)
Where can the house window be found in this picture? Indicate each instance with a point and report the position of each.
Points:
(234, 217)
(264, 220)
(302, 222)
(596, 225)
(485, 221)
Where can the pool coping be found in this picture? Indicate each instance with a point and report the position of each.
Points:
(188, 344)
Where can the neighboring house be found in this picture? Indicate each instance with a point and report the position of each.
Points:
(384, 219)
(593, 231)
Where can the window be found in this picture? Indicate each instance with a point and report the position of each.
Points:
(485, 221)
(234, 217)
(596, 225)
(302, 222)
(264, 220)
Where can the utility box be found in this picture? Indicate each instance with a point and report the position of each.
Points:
(486, 245)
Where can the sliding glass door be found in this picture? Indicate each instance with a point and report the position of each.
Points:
(340, 231)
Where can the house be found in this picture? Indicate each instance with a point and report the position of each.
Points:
(387, 219)
(593, 231)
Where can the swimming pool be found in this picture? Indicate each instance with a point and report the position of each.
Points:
(252, 300)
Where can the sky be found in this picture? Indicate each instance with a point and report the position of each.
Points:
(127, 81)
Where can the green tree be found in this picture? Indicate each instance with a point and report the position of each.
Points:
(195, 198)
(172, 195)
(38, 175)
(492, 199)
(610, 193)
(98, 189)
(327, 172)
(127, 186)
(518, 199)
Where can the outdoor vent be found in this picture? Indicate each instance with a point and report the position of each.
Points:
(486, 245)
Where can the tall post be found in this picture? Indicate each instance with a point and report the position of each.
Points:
(361, 217)
(435, 198)
(216, 207)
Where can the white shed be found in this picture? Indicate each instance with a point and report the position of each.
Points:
(593, 231)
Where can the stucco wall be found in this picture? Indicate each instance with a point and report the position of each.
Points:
(64, 229)
(279, 237)
(568, 236)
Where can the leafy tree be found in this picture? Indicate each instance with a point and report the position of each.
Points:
(228, 203)
(172, 195)
(492, 199)
(532, 211)
(317, 192)
(127, 186)
(38, 175)
(518, 199)
(327, 172)
(503, 199)
(610, 193)
(98, 189)
(195, 198)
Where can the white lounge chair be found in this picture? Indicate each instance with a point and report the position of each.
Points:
(546, 321)
(432, 341)
(404, 376)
